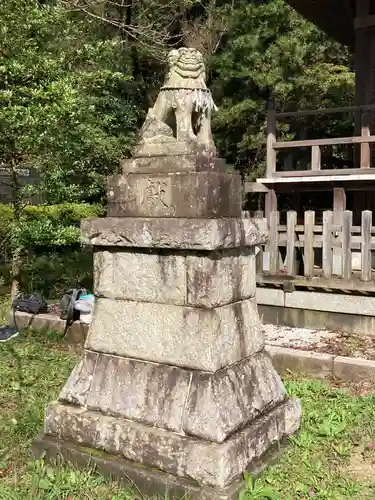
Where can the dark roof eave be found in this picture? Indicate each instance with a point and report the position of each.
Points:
(334, 17)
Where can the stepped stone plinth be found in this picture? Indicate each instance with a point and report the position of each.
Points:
(174, 391)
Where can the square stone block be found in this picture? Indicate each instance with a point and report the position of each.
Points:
(141, 275)
(211, 406)
(207, 463)
(201, 279)
(202, 339)
(190, 194)
(180, 233)
(220, 277)
(128, 388)
(221, 403)
(152, 483)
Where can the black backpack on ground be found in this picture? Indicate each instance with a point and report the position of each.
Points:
(68, 312)
(31, 304)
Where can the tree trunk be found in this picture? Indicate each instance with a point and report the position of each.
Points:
(16, 251)
(16, 269)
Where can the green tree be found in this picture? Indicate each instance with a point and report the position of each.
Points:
(68, 106)
(68, 103)
(271, 52)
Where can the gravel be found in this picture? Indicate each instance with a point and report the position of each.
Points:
(285, 336)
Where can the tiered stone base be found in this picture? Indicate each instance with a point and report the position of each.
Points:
(174, 386)
(150, 482)
(206, 428)
(210, 464)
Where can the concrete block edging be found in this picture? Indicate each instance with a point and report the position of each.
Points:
(321, 365)
(311, 363)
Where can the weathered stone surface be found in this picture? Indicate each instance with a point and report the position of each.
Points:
(180, 120)
(202, 339)
(220, 277)
(202, 279)
(211, 406)
(317, 364)
(146, 392)
(181, 163)
(223, 402)
(180, 233)
(79, 382)
(189, 194)
(141, 276)
(208, 463)
(331, 302)
(151, 482)
(175, 377)
(353, 369)
(270, 296)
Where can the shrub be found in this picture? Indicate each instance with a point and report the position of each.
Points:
(53, 259)
(43, 226)
(51, 273)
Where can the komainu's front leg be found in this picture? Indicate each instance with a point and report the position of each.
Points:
(205, 132)
(161, 107)
(184, 112)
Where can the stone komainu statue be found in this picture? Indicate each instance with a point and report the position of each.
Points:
(180, 121)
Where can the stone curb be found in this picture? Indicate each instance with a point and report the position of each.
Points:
(320, 365)
(75, 335)
(315, 364)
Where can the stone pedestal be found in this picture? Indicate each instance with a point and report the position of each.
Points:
(174, 376)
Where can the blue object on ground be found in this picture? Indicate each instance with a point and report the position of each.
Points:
(89, 296)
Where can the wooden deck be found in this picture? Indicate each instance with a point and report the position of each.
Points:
(364, 140)
(319, 164)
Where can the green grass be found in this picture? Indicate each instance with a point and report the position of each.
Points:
(332, 457)
(33, 370)
(4, 308)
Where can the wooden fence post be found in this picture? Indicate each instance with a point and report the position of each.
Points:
(339, 205)
(327, 253)
(366, 245)
(316, 158)
(271, 138)
(346, 241)
(273, 245)
(365, 160)
(309, 243)
(291, 243)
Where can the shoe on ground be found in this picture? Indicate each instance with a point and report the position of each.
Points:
(8, 333)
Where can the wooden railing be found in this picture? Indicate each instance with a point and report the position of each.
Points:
(365, 139)
(327, 255)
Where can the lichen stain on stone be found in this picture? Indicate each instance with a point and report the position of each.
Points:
(241, 328)
(168, 265)
(202, 268)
